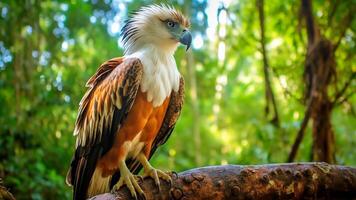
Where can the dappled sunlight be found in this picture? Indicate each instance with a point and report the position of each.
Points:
(275, 43)
(221, 51)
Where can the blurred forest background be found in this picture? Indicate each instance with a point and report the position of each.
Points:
(257, 73)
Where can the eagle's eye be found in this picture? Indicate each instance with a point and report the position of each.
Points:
(171, 24)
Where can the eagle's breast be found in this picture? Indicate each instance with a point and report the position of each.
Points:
(160, 74)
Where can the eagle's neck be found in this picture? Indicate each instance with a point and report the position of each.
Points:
(160, 73)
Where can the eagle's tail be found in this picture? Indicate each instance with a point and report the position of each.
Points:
(80, 174)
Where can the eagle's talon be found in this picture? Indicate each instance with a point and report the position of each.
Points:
(170, 181)
(151, 172)
(128, 179)
(174, 174)
(164, 176)
(142, 196)
(155, 174)
(139, 178)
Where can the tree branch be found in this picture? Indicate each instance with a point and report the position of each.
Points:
(312, 31)
(344, 26)
(334, 5)
(269, 95)
(277, 181)
(301, 131)
(341, 92)
(344, 99)
(286, 92)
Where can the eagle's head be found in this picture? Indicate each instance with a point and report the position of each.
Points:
(159, 25)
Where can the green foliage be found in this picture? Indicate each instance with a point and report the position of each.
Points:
(49, 49)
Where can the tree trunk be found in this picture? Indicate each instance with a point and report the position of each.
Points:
(323, 135)
(282, 181)
(319, 72)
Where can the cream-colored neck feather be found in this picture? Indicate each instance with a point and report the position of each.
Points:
(145, 37)
(160, 73)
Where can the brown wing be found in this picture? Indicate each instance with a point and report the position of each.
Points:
(170, 119)
(103, 108)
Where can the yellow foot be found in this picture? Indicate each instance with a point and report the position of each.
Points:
(128, 179)
(155, 174)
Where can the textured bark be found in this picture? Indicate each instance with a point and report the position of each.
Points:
(282, 181)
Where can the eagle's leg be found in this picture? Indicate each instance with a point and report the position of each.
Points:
(126, 177)
(148, 170)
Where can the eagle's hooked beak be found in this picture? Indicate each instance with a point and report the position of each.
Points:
(186, 38)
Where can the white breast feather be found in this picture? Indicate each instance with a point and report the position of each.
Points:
(160, 74)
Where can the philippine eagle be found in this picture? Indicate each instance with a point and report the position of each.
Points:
(131, 106)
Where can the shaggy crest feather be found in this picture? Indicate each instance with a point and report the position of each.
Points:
(143, 22)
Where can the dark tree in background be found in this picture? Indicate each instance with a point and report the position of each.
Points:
(320, 72)
(269, 94)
